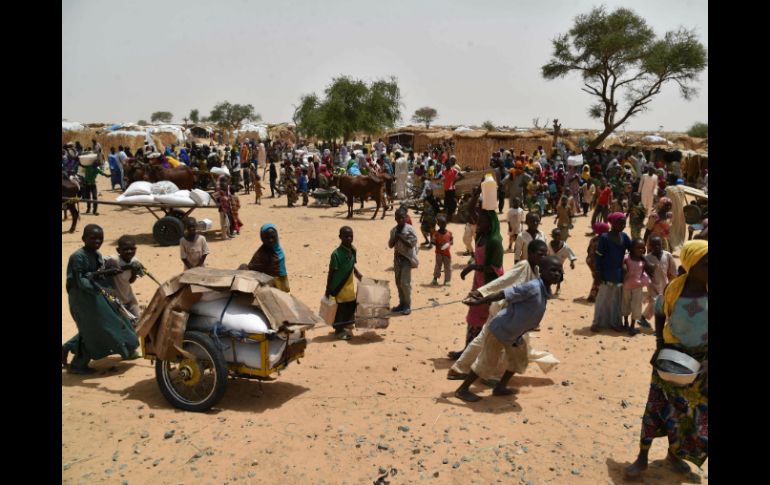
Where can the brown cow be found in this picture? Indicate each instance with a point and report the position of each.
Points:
(362, 187)
(70, 190)
(182, 176)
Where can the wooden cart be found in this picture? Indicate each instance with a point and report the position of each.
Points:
(168, 229)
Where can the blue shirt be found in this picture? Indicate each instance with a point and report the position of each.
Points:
(525, 310)
(609, 257)
(303, 183)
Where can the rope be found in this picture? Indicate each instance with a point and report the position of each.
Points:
(389, 314)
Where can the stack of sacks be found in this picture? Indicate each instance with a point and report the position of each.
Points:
(137, 192)
(178, 198)
(163, 192)
(239, 315)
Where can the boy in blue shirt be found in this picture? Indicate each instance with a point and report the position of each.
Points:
(303, 186)
(525, 311)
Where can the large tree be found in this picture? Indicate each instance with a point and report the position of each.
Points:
(162, 116)
(621, 60)
(194, 116)
(350, 105)
(426, 115)
(229, 117)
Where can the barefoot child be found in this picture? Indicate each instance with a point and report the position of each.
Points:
(559, 248)
(665, 271)
(526, 308)
(636, 215)
(193, 247)
(428, 218)
(564, 217)
(235, 207)
(443, 241)
(635, 269)
(256, 181)
(515, 220)
(126, 261)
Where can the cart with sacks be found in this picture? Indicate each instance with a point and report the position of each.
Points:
(169, 205)
(208, 324)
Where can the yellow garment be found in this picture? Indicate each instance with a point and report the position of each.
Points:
(348, 292)
(282, 283)
(692, 252)
(173, 162)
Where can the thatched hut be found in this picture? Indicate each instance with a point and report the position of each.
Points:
(473, 148)
(283, 132)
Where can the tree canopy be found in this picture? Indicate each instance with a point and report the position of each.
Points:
(489, 126)
(426, 115)
(162, 116)
(229, 117)
(350, 105)
(194, 116)
(699, 130)
(623, 63)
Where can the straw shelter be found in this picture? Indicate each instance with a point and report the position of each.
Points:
(282, 132)
(474, 148)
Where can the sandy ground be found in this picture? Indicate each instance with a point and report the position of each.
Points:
(351, 411)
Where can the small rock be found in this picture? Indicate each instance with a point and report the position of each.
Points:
(145, 434)
(115, 456)
(566, 383)
(403, 428)
(624, 403)
(395, 369)
(382, 470)
(152, 415)
(382, 446)
(252, 474)
(156, 462)
(141, 406)
(602, 398)
(168, 434)
(445, 461)
(575, 472)
(435, 474)
(409, 347)
(456, 464)
(525, 421)
(627, 426)
(254, 463)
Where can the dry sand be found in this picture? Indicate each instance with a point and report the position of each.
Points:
(351, 411)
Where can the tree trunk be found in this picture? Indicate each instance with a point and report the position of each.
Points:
(599, 139)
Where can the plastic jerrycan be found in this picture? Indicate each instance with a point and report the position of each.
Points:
(488, 193)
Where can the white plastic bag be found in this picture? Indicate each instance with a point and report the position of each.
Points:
(163, 187)
(240, 315)
(220, 171)
(373, 298)
(201, 197)
(138, 188)
(136, 199)
(87, 159)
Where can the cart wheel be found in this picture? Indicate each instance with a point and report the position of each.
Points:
(168, 231)
(194, 384)
(334, 201)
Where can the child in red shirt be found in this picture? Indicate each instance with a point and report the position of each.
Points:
(443, 241)
(603, 199)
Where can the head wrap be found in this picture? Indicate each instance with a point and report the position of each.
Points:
(692, 252)
(277, 249)
(615, 216)
(600, 228)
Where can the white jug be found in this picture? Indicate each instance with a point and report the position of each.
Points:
(489, 193)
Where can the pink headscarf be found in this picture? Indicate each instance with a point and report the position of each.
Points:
(600, 228)
(615, 216)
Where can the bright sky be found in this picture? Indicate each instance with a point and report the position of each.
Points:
(471, 60)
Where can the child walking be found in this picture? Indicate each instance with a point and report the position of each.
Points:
(225, 210)
(559, 248)
(636, 215)
(443, 240)
(635, 279)
(522, 241)
(235, 207)
(256, 180)
(515, 221)
(428, 218)
(303, 186)
(564, 217)
(126, 261)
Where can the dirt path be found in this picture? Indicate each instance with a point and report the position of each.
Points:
(351, 411)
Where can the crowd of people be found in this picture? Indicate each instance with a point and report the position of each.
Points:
(634, 276)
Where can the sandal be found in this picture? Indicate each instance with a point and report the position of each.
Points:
(343, 335)
(455, 376)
